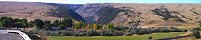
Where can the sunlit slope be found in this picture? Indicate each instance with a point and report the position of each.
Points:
(31, 11)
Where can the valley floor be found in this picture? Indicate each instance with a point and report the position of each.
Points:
(134, 37)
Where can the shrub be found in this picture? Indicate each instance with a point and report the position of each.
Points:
(179, 30)
(171, 29)
(120, 28)
(164, 30)
(68, 33)
(118, 33)
(93, 33)
(128, 34)
(53, 33)
(197, 28)
(77, 34)
(43, 37)
(131, 32)
(106, 33)
(84, 33)
(143, 31)
(150, 37)
(196, 34)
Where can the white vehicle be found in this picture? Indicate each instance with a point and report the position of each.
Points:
(13, 35)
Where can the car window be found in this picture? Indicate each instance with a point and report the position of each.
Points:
(10, 36)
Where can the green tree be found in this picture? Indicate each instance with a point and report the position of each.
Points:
(47, 23)
(56, 23)
(7, 23)
(29, 24)
(5, 18)
(110, 26)
(19, 24)
(199, 23)
(99, 26)
(39, 23)
(20, 20)
(78, 25)
(1, 24)
(66, 22)
(24, 20)
(10, 22)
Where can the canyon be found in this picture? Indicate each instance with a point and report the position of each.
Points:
(118, 14)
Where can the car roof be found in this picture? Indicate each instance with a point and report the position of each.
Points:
(16, 32)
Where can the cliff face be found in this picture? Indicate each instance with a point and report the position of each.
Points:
(31, 11)
(74, 7)
(145, 14)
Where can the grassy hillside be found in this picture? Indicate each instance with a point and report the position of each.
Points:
(36, 10)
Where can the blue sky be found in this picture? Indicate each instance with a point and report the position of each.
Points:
(109, 1)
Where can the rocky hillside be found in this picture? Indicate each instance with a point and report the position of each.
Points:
(146, 15)
(31, 11)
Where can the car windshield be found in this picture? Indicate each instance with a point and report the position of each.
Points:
(10, 36)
